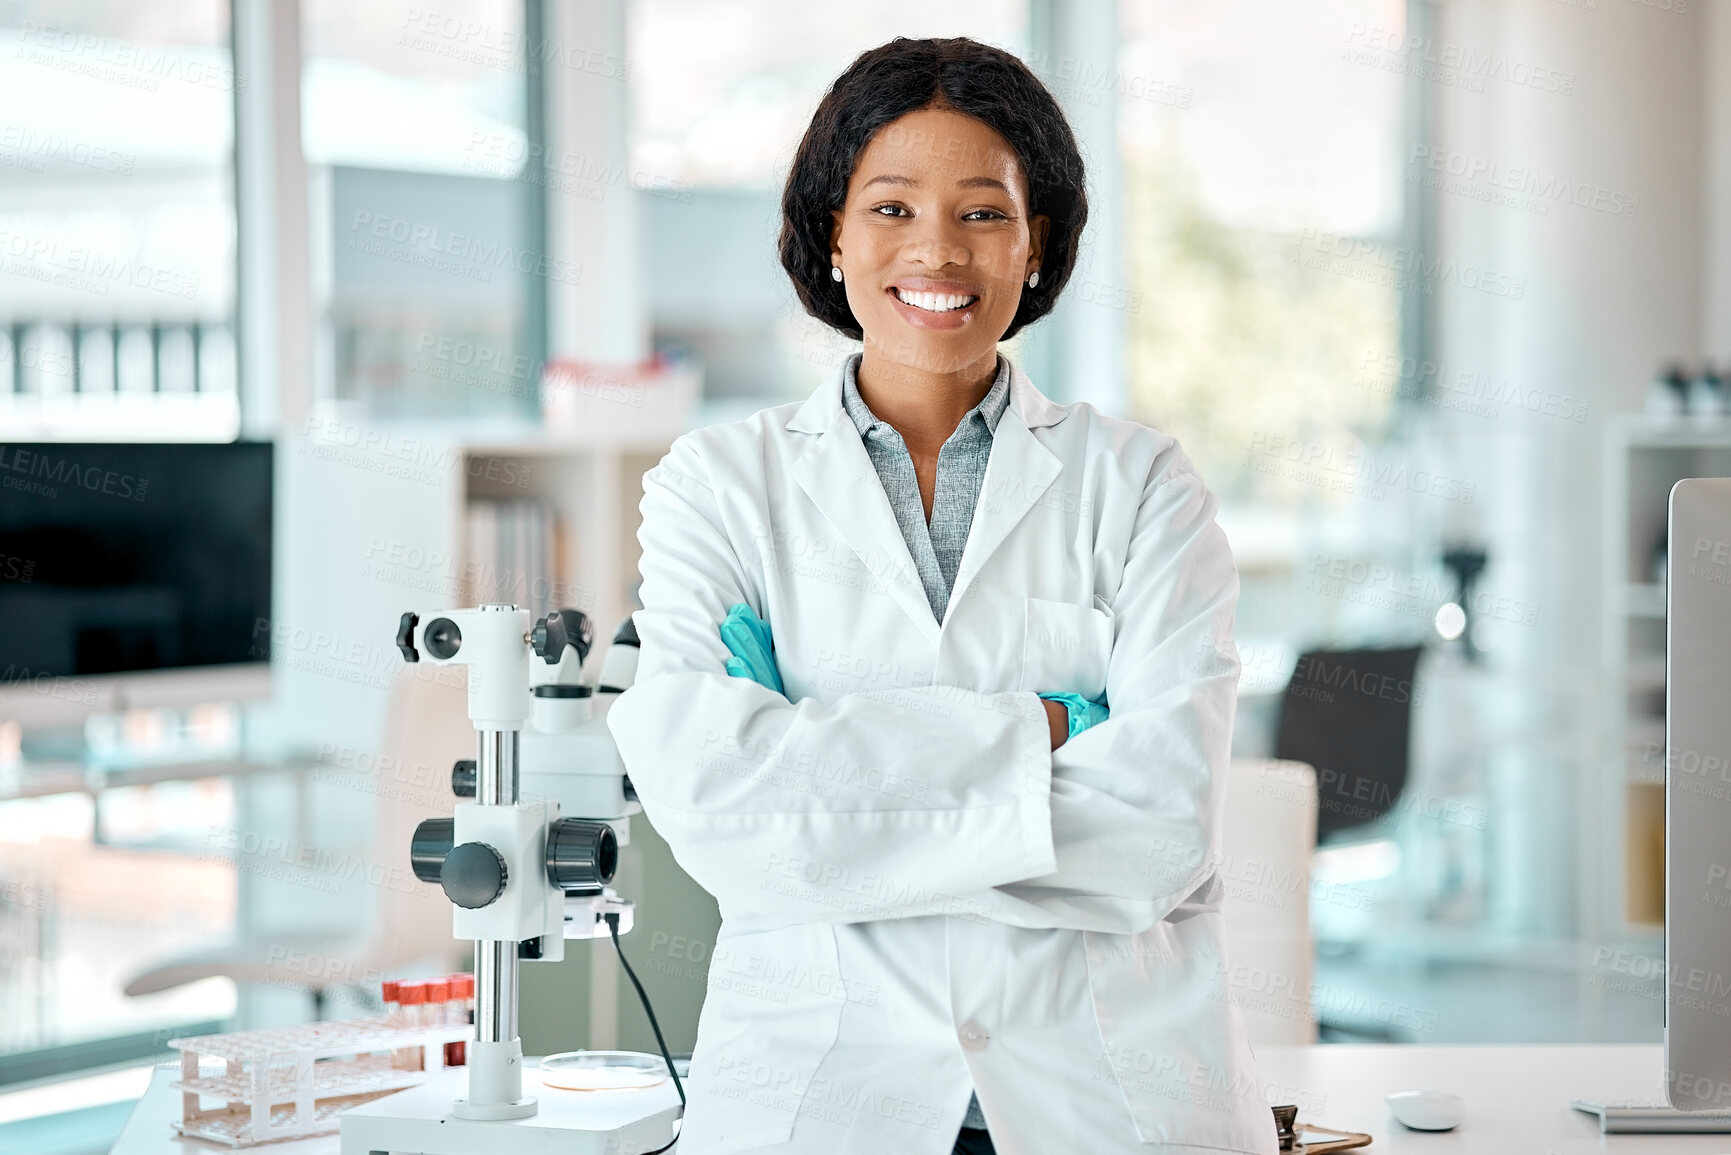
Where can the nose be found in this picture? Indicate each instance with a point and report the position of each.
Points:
(936, 246)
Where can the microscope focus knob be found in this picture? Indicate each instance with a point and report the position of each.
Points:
(581, 855)
(559, 629)
(473, 875)
(427, 849)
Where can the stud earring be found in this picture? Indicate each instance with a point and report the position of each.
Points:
(835, 273)
(1034, 279)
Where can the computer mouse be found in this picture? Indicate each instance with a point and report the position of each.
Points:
(1427, 1110)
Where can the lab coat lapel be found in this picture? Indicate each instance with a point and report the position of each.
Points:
(837, 474)
(1018, 473)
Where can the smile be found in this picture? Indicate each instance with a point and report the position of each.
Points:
(935, 302)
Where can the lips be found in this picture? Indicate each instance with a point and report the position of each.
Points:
(934, 305)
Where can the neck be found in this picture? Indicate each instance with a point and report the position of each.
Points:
(923, 406)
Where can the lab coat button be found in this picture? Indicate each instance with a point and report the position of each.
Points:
(974, 1037)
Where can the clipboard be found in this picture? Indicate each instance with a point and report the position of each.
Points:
(1310, 1139)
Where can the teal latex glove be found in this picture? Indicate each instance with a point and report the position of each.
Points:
(746, 636)
(1083, 713)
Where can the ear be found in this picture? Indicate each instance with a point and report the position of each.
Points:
(1038, 228)
(836, 216)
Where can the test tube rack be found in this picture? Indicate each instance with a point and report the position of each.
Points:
(294, 1081)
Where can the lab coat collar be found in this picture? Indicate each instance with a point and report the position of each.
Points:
(819, 410)
(837, 475)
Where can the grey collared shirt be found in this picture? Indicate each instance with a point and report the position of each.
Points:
(936, 548)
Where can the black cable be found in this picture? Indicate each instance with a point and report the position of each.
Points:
(612, 918)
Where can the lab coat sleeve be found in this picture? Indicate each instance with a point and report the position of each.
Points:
(930, 794)
(1137, 800)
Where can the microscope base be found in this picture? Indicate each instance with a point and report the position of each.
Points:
(494, 1112)
(419, 1120)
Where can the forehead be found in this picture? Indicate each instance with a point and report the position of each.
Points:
(938, 146)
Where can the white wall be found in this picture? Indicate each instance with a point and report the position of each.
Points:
(1715, 38)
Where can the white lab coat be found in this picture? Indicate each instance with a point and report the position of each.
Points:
(918, 896)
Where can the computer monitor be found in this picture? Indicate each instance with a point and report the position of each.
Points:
(132, 575)
(1698, 797)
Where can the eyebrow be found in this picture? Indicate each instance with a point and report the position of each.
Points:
(965, 182)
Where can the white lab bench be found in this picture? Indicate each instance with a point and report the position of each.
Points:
(1517, 1099)
(149, 1129)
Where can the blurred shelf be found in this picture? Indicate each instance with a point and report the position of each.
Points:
(1638, 431)
(1623, 850)
(491, 438)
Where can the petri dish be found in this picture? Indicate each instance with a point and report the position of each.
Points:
(603, 1070)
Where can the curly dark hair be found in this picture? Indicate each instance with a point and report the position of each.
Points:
(900, 77)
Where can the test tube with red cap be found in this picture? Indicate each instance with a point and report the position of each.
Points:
(438, 1001)
(410, 998)
(462, 1011)
(393, 1009)
(414, 1000)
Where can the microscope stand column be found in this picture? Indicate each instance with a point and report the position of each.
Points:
(496, 1056)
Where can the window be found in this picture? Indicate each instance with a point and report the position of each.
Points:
(117, 231)
(1263, 211)
(414, 128)
(1266, 261)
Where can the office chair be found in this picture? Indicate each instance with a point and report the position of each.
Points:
(1348, 713)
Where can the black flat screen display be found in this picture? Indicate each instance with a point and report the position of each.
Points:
(117, 558)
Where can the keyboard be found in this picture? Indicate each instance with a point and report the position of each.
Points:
(1652, 1116)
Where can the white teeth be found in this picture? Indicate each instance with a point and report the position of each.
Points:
(934, 302)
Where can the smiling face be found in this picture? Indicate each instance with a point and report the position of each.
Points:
(935, 240)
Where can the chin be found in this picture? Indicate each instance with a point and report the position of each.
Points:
(931, 352)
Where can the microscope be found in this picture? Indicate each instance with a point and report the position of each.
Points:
(525, 860)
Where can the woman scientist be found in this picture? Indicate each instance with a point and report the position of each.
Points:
(955, 914)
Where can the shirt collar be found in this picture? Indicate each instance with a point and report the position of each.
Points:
(990, 408)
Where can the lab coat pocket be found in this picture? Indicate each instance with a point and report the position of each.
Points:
(771, 1015)
(1174, 1043)
(1065, 647)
